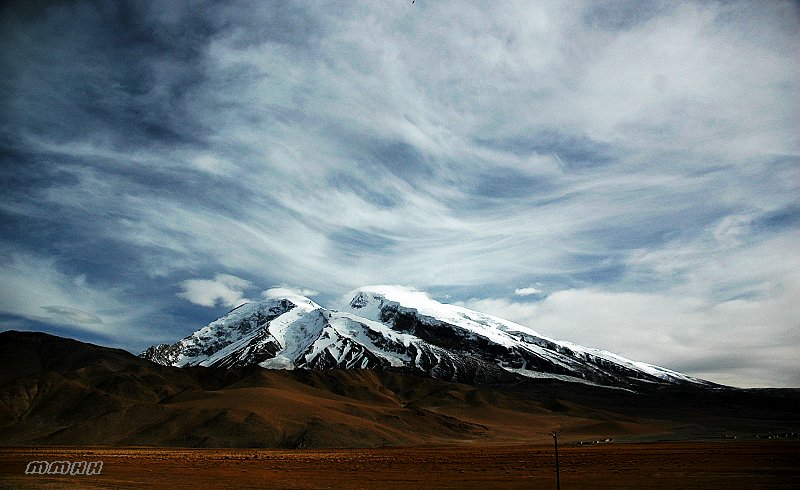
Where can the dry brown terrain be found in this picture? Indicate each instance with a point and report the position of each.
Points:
(154, 426)
(721, 464)
(61, 392)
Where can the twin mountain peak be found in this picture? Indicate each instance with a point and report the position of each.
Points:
(392, 328)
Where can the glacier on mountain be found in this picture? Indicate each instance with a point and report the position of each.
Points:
(391, 327)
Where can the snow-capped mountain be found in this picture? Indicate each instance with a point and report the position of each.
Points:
(388, 327)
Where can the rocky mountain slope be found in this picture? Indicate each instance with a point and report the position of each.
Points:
(388, 327)
(61, 391)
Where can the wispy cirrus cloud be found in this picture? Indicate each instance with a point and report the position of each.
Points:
(736, 327)
(609, 148)
(72, 315)
(35, 288)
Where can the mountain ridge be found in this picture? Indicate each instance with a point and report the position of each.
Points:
(60, 391)
(391, 327)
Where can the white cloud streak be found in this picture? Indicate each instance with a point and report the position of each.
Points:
(35, 288)
(733, 320)
(623, 156)
(224, 289)
(529, 291)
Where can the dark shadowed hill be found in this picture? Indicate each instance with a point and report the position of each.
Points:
(60, 391)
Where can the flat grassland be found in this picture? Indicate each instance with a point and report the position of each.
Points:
(723, 464)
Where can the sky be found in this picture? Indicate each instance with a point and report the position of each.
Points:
(623, 175)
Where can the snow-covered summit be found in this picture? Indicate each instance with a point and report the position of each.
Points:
(375, 301)
(385, 327)
(222, 339)
(370, 301)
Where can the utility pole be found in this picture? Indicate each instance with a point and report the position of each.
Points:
(558, 472)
